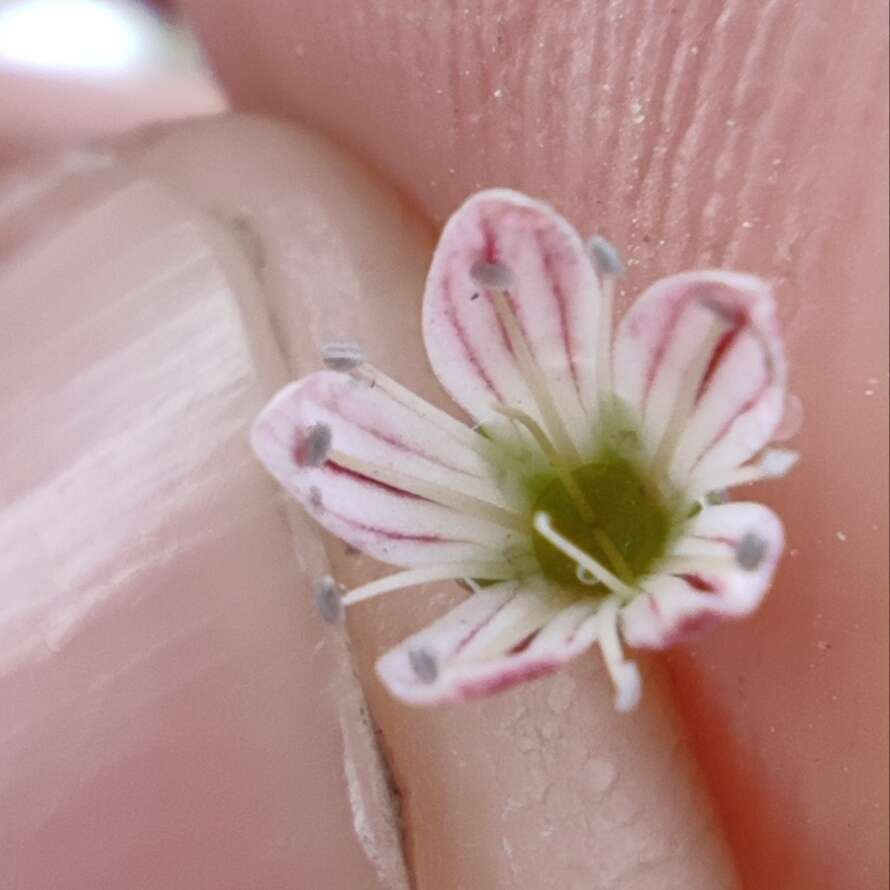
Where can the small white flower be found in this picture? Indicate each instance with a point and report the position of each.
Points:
(588, 503)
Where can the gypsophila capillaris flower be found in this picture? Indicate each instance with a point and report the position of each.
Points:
(588, 502)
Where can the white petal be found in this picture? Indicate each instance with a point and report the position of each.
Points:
(502, 635)
(554, 295)
(681, 607)
(738, 396)
(393, 525)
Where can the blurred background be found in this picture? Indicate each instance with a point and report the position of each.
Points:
(75, 69)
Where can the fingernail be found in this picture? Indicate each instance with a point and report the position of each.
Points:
(160, 656)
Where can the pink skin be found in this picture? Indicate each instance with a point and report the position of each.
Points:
(788, 711)
(45, 111)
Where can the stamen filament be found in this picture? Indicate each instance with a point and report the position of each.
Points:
(685, 400)
(609, 267)
(773, 464)
(625, 675)
(535, 380)
(538, 434)
(446, 497)
(544, 526)
(483, 648)
(343, 355)
(679, 564)
(421, 407)
(622, 569)
(604, 347)
(485, 571)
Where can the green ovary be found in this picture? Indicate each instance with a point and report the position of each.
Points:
(630, 529)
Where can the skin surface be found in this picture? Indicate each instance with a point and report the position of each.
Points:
(775, 707)
(45, 111)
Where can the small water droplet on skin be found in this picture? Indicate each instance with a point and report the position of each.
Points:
(599, 775)
(841, 536)
(561, 695)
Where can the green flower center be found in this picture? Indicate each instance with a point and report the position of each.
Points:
(627, 526)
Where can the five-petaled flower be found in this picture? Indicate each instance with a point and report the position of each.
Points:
(588, 502)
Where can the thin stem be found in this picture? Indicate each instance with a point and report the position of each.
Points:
(625, 675)
(486, 571)
(681, 564)
(565, 476)
(773, 464)
(535, 380)
(685, 400)
(618, 561)
(544, 527)
(446, 497)
(439, 418)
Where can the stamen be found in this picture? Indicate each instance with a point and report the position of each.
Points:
(544, 526)
(538, 434)
(483, 571)
(772, 464)
(609, 267)
(422, 408)
(515, 623)
(535, 380)
(689, 389)
(751, 552)
(345, 356)
(328, 595)
(446, 497)
(424, 665)
(710, 556)
(625, 674)
(692, 564)
(606, 259)
(315, 446)
(622, 569)
(492, 275)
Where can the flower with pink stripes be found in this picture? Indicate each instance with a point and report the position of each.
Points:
(586, 503)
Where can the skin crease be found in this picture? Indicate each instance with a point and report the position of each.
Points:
(746, 135)
(792, 795)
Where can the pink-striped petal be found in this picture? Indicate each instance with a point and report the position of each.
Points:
(679, 607)
(553, 293)
(718, 333)
(500, 636)
(383, 520)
